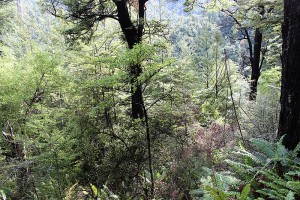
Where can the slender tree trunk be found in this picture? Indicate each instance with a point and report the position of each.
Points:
(133, 36)
(255, 64)
(289, 120)
(254, 54)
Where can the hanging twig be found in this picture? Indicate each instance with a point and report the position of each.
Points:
(231, 95)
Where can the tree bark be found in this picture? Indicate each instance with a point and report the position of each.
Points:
(255, 64)
(289, 120)
(133, 36)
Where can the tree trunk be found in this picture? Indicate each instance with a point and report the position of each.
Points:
(255, 64)
(289, 120)
(133, 36)
(137, 100)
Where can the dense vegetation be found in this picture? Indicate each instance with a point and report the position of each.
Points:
(117, 99)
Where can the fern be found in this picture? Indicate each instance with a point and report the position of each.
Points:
(265, 147)
(272, 171)
(294, 185)
(290, 196)
(278, 186)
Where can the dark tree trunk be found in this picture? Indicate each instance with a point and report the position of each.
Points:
(289, 121)
(133, 36)
(255, 64)
(137, 101)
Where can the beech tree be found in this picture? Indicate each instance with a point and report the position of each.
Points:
(256, 23)
(289, 122)
(255, 58)
(254, 48)
(86, 15)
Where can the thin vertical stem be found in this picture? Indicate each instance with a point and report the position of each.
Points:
(149, 150)
(231, 95)
(216, 60)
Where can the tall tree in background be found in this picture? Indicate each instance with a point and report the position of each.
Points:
(256, 62)
(289, 122)
(86, 15)
(256, 23)
(255, 57)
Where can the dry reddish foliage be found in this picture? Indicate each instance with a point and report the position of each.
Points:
(213, 138)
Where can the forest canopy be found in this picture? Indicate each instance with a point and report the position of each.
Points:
(149, 99)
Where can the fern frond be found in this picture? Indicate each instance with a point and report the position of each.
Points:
(294, 185)
(259, 168)
(241, 169)
(295, 152)
(278, 188)
(264, 146)
(281, 154)
(294, 173)
(290, 196)
(273, 194)
(247, 154)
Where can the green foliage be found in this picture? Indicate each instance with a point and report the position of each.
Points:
(260, 118)
(270, 81)
(220, 195)
(103, 193)
(270, 169)
(65, 108)
(209, 112)
(76, 192)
